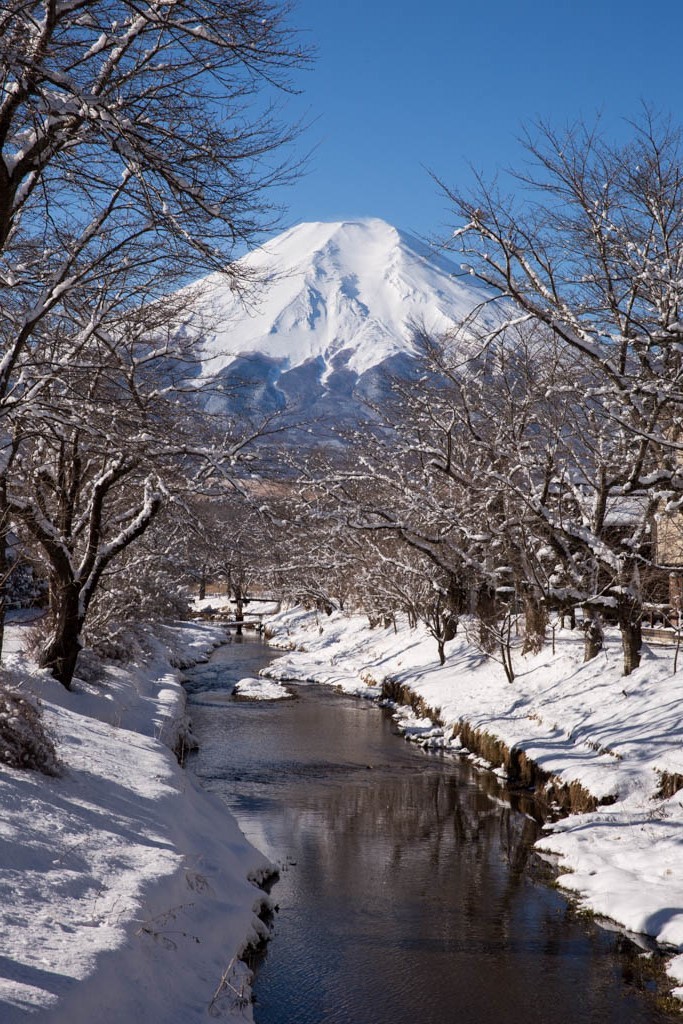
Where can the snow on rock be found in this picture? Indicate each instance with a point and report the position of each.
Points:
(583, 723)
(122, 867)
(260, 689)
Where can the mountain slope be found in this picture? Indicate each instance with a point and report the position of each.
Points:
(332, 318)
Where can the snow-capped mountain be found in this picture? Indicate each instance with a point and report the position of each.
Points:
(331, 319)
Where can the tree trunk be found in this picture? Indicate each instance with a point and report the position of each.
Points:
(443, 625)
(60, 652)
(592, 632)
(3, 610)
(631, 636)
(486, 611)
(456, 597)
(450, 626)
(239, 610)
(505, 644)
(506, 657)
(5, 561)
(535, 623)
(571, 612)
(5, 569)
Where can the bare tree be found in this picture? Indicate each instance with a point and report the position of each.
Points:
(594, 253)
(137, 149)
(551, 469)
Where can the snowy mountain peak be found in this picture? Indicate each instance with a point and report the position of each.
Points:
(337, 302)
(353, 286)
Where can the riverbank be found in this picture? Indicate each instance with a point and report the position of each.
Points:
(125, 889)
(618, 739)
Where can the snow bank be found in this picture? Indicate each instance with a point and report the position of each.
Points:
(585, 724)
(124, 887)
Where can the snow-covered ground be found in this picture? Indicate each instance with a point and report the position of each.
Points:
(581, 723)
(125, 891)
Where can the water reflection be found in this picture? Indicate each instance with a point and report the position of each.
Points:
(405, 894)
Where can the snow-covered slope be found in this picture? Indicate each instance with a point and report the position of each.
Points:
(333, 312)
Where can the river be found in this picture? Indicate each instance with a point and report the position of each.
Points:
(409, 891)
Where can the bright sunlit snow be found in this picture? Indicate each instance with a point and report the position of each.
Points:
(260, 689)
(125, 891)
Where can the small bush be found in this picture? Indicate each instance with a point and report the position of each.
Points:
(35, 636)
(24, 741)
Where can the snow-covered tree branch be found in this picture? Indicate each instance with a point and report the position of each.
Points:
(138, 148)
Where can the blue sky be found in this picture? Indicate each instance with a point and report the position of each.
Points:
(400, 86)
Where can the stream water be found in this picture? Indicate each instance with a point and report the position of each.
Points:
(409, 891)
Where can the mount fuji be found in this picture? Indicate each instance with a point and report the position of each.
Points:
(331, 322)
